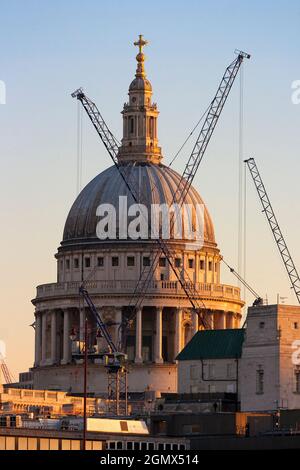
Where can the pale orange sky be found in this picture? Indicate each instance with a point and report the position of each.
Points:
(48, 51)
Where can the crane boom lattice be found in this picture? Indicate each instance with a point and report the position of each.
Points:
(272, 220)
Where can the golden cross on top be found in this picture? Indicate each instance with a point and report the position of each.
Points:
(141, 43)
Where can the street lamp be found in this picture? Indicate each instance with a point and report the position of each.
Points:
(73, 337)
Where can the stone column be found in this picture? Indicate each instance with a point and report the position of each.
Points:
(38, 339)
(209, 317)
(222, 324)
(44, 337)
(158, 337)
(206, 269)
(197, 268)
(195, 322)
(53, 338)
(178, 332)
(138, 336)
(230, 320)
(66, 338)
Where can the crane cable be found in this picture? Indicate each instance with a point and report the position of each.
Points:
(245, 230)
(79, 149)
(242, 281)
(190, 134)
(240, 177)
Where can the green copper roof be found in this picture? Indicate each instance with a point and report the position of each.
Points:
(213, 344)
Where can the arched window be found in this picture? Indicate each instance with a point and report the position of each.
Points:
(131, 125)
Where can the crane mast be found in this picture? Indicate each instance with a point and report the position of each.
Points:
(274, 225)
(114, 361)
(187, 177)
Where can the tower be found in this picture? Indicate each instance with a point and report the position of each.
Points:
(140, 141)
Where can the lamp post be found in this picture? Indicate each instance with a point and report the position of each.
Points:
(85, 380)
(73, 337)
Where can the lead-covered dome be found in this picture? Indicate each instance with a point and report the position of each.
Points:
(140, 83)
(154, 184)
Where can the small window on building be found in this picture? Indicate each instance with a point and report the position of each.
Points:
(76, 263)
(191, 263)
(210, 265)
(146, 261)
(162, 262)
(177, 262)
(296, 326)
(202, 264)
(261, 325)
(130, 260)
(162, 277)
(297, 381)
(115, 261)
(67, 264)
(100, 261)
(260, 381)
(87, 262)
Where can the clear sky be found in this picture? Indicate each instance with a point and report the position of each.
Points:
(49, 48)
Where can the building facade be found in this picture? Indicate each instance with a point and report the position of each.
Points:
(260, 363)
(111, 268)
(270, 364)
(210, 362)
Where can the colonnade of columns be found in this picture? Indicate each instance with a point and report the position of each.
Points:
(49, 352)
(42, 341)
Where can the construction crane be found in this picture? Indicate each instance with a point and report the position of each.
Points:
(5, 371)
(258, 299)
(114, 361)
(273, 223)
(111, 144)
